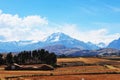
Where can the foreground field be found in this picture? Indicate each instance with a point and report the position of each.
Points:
(59, 71)
(110, 70)
(76, 77)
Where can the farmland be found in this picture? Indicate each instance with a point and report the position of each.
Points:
(77, 77)
(85, 60)
(70, 69)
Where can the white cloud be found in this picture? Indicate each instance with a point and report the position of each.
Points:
(100, 35)
(9, 21)
(94, 36)
(31, 21)
(13, 27)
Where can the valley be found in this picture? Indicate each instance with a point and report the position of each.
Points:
(76, 60)
(59, 39)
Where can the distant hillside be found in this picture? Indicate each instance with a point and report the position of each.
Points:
(59, 50)
(108, 52)
(115, 44)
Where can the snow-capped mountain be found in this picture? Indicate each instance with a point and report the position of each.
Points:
(69, 42)
(58, 37)
(115, 44)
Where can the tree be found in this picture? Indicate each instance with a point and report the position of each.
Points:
(21, 58)
(42, 55)
(1, 59)
(9, 58)
(34, 53)
(51, 59)
(35, 57)
(15, 59)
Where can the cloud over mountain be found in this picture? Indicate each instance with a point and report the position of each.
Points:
(35, 27)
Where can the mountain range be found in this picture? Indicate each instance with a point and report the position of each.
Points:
(53, 39)
(60, 43)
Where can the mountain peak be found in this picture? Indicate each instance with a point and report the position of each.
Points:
(57, 37)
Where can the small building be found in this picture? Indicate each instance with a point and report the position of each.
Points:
(46, 67)
(15, 66)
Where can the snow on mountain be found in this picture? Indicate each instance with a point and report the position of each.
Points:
(15, 46)
(21, 43)
(67, 41)
(54, 39)
(59, 39)
(101, 45)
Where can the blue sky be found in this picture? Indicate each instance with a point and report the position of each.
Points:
(98, 19)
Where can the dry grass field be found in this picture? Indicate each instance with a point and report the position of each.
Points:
(76, 77)
(80, 59)
(83, 72)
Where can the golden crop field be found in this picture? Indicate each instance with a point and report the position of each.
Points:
(93, 72)
(80, 59)
(76, 77)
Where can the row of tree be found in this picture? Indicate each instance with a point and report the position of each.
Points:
(30, 57)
